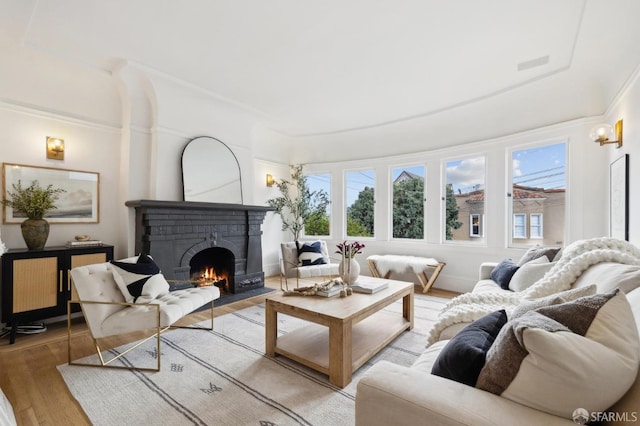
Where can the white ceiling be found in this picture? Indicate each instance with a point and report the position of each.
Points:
(323, 67)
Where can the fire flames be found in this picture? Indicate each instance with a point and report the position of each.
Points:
(209, 276)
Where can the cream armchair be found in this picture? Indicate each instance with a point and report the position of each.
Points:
(290, 266)
(108, 314)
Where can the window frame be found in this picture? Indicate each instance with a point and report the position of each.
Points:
(345, 206)
(541, 226)
(473, 241)
(509, 151)
(330, 206)
(524, 226)
(391, 169)
(471, 225)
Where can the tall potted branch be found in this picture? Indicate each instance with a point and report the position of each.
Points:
(297, 203)
(34, 202)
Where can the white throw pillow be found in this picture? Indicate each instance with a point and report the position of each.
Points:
(529, 273)
(580, 354)
(139, 279)
(155, 287)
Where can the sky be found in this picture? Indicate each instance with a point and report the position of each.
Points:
(542, 167)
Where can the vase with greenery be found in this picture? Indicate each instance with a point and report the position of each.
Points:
(297, 203)
(34, 202)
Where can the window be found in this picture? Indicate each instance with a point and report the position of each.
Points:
(475, 228)
(319, 223)
(538, 189)
(519, 225)
(535, 225)
(408, 202)
(360, 191)
(464, 200)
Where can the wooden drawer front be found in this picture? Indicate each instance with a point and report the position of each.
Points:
(87, 259)
(35, 283)
(83, 260)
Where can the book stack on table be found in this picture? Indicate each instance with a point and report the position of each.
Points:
(369, 287)
(85, 243)
(333, 291)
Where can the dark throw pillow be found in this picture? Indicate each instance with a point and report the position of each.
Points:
(310, 253)
(141, 281)
(464, 355)
(503, 272)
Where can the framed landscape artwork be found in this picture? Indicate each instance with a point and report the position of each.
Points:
(619, 198)
(79, 203)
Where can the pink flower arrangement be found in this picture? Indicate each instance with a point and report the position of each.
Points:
(348, 251)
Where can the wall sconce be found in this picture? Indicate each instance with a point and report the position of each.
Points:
(55, 148)
(605, 134)
(270, 180)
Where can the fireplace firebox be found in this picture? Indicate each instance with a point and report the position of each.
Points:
(206, 243)
(213, 266)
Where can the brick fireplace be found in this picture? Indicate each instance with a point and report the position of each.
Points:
(209, 242)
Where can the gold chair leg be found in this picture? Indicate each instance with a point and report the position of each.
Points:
(99, 352)
(198, 328)
(107, 363)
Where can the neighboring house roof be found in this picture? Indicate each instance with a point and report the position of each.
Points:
(474, 197)
(519, 192)
(405, 175)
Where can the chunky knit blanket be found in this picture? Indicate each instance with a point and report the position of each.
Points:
(576, 258)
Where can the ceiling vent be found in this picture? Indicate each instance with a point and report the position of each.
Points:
(537, 62)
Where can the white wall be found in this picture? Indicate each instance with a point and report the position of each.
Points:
(627, 108)
(41, 96)
(272, 233)
(87, 148)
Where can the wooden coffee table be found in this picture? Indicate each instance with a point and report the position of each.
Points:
(343, 333)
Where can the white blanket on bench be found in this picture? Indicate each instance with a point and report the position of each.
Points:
(396, 263)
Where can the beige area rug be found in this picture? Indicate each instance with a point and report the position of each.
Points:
(223, 377)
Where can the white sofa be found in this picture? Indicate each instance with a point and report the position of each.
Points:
(7, 417)
(394, 394)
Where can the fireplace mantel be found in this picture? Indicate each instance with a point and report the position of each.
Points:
(193, 205)
(172, 232)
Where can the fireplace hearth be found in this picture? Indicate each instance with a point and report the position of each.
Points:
(203, 243)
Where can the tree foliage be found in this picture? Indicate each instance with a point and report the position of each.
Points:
(317, 224)
(297, 203)
(452, 221)
(408, 209)
(356, 229)
(361, 213)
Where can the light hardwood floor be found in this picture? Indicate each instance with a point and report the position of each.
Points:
(29, 378)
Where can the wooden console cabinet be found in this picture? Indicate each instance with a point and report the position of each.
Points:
(36, 284)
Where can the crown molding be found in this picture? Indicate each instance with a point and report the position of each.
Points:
(56, 115)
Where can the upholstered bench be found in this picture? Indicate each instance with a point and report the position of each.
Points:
(381, 266)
